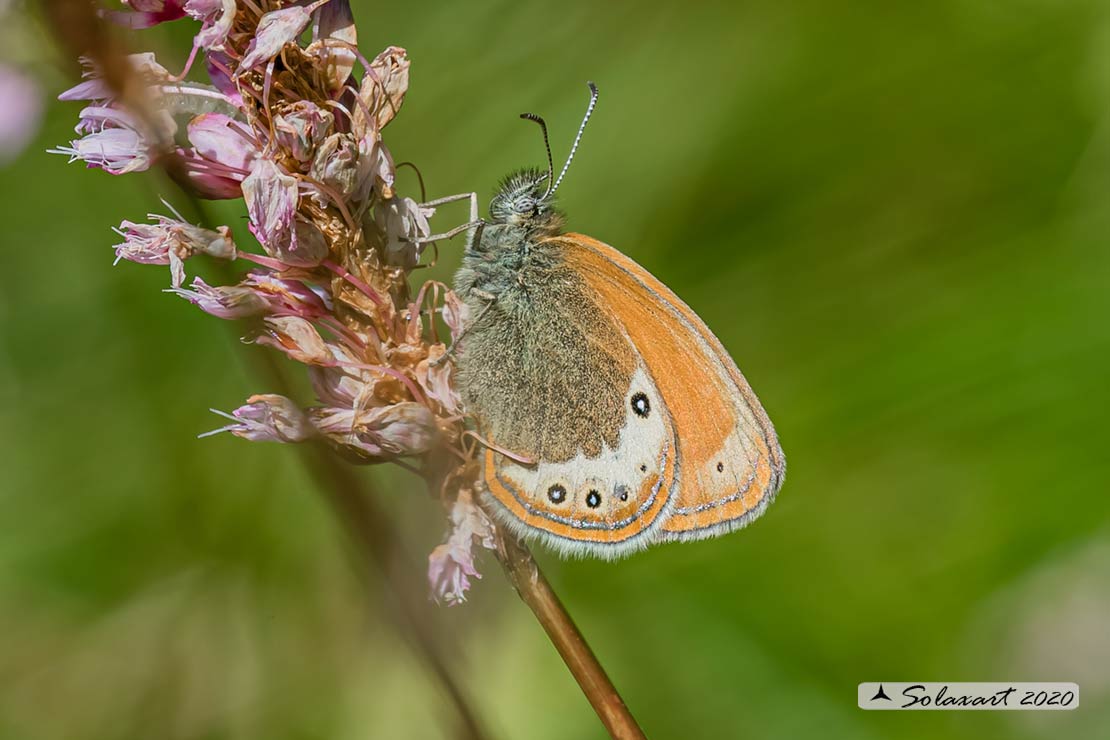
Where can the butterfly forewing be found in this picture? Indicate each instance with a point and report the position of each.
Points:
(729, 462)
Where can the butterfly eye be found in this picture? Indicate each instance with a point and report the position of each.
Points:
(593, 499)
(557, 494)
(640, 405)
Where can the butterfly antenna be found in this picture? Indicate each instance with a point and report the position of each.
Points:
(547, 144)
(578, 138)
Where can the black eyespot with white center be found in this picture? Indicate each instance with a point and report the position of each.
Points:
(557, 494)
(593, 499)
(640, 405)
(720, 467)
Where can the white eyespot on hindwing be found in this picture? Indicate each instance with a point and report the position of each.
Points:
(607, 491)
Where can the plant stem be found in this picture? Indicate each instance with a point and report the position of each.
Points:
(535, 591)
(376, 542)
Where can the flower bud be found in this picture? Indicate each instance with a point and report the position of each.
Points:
(115, 140)
(451, 565)
(288, 295)
(170, 242)
(225, 302)
(223, 153)
(267, 418)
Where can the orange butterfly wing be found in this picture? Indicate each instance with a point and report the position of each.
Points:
(730, 464)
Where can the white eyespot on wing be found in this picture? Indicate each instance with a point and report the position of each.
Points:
(607, 493)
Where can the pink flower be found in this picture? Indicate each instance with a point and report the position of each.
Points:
(220, 67)
(216, 17)
(267, 418)
(146, 13)
(287, 295)
(225, 302)
(222, 155)
(115, 141)
(19, 114)
(451, 565)
(272, 197)
(170, 242)
(275, 29)
(144, 65)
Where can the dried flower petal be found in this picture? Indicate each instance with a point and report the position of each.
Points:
(404, 223)
(455, 313)
(334, 40)
(275, 29)
(336, 166)
(379, 433)
(436, 378)
(272, 198)
(383, 90)
(267, 418)
(297, 338)
(451, 565)
(301, 128)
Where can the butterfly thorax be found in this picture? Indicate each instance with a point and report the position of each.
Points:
(530, 349)
(522, 215)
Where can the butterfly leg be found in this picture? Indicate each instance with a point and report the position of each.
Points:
(472, 197)
(473, 222)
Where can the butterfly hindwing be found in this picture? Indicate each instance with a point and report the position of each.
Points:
(560, 383)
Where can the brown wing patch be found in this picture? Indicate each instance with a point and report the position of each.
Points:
(729, 458)
(607, 503)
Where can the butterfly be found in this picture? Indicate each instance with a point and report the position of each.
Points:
(614, 418)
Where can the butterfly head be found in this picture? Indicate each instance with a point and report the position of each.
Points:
(527, 198)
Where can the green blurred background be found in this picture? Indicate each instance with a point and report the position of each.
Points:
(894, 215)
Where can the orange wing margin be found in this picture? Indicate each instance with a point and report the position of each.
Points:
(730, 464)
